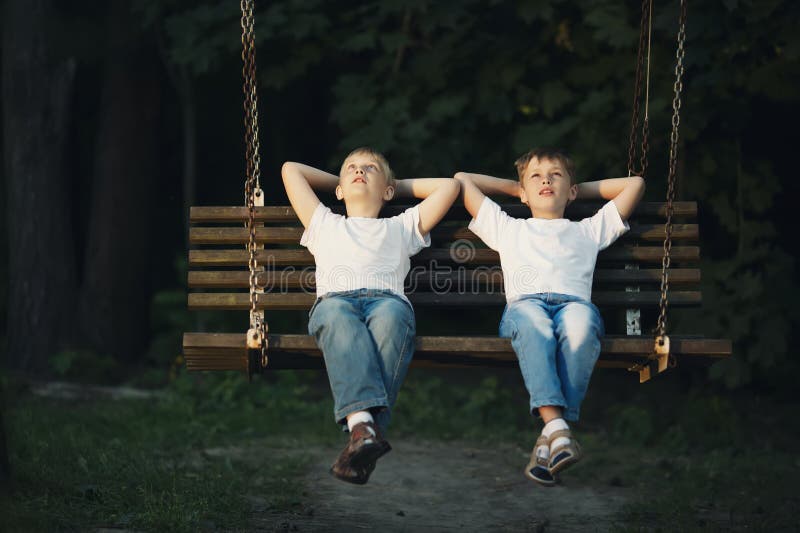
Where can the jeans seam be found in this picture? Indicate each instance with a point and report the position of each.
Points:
(401, 358)
(521, 360)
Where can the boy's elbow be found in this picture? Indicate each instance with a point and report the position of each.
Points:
(640, 185)
(460, 176)
(454, 188)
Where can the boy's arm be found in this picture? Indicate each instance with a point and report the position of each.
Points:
(626, 192)
(300, 181)
(438, 195)
(476, 186)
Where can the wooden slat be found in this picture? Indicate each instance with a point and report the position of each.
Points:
(294, 279)
(222, 345)
(291, 235)
(286, 213)
(481, 256)
(240, 301)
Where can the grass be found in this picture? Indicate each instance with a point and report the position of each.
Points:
(151, 464)
(209, 451)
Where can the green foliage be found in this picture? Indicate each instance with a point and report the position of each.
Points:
(632, 424)
(465, 408)
(85, 365)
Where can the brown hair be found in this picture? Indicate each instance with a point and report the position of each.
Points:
(379, 157)
(554, 154)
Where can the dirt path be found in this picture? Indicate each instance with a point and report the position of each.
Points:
(431, 486)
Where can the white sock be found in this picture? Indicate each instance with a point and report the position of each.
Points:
(357, 418)
(551, 427)
(543, 451)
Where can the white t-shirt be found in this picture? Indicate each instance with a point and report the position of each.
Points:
(539, 255)
(362, 253)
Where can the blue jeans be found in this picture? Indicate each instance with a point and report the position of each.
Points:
(557, 341)
(367, 339)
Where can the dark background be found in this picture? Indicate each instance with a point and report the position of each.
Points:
(119, 115)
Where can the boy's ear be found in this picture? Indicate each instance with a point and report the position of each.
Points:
(339, 193)
(573, 193)
(523, 197)
(388, 194)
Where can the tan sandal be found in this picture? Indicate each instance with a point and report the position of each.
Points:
(566, 454)
(538, 469)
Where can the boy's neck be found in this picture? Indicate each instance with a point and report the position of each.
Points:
(362, 209)
(547, 215)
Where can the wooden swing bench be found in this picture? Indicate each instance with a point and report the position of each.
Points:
(456, 272)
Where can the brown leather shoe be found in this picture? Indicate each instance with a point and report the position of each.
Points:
(357, 460)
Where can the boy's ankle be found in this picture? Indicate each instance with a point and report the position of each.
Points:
(359, 417)
(556, 424)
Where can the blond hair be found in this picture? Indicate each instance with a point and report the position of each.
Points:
(379, 157)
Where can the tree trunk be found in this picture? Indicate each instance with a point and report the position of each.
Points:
(5, 465)
(116, 292)
(36, 93)
(189, 116)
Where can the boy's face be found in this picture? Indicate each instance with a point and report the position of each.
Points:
(363, 179)
(547, 188)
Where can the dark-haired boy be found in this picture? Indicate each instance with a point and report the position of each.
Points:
(548, 264)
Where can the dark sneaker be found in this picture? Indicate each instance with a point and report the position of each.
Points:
(357, 460)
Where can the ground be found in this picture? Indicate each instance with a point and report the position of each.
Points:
(219, 454)
(433, 486)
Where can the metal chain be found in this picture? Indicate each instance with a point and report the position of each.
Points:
(673, 159)
(641, 61)
(252, 184)
(248, 74)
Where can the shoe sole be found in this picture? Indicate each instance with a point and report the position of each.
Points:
(540, 481)
(370, 453)
(568, 461)
(354, 480)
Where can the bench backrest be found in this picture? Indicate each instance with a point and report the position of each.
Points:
(457, 271)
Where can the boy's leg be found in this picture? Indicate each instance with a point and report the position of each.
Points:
(356, 381)
(529, 326)
(527, 322)
(350, 358)
(579, 330)
(391, 323)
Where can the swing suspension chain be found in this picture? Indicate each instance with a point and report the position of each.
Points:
(642, 63)
(661, 324)
(250, 111)
(253, 159)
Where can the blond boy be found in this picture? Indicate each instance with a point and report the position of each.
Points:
(362, 320)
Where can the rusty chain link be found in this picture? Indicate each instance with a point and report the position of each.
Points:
(661, 324)
(662, 343)
(252, 185)
(642, 63)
